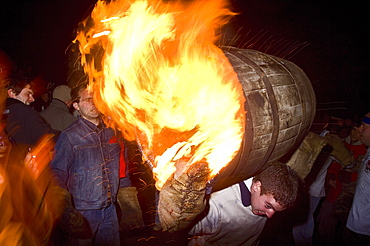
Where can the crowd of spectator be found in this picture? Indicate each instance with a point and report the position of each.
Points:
(99, 177)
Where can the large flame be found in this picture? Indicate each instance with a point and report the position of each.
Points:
(159, 78)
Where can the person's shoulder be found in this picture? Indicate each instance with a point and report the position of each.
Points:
(226, 193)
(74, 126)
(52, 111)
(11, 101)
(71, 132)
(45, 113)
(15, 104)
(47, 110)
(22, 109)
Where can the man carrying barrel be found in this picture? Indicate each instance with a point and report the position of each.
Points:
(237, 214)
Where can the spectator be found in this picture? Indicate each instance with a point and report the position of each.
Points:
(303, 233)
(237, 214)
(89, 169)
(43, 97)
(339, 182)
(57, 114)
(24, 125)
(42, 102)
(315, 182)
(359, 217)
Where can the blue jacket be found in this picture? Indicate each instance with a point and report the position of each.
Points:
(86, 163)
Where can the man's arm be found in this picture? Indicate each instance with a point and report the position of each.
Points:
(182, 198)
(71, 221)
(63, 158)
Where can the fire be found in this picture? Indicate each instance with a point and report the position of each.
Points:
(159, 77)
(29, 207)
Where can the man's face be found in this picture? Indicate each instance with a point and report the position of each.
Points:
(364, 131)
(25, 96)
(355, 134)
(87, 108)
(263, 205)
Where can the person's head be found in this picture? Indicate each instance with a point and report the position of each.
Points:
(343, 131)
(82, 101)
(354, 135)
(63, 93)
(20, 88)
(274, 189)
(364, 130)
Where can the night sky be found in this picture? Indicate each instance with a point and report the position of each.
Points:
(327, 40)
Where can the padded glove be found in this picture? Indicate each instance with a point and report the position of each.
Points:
(340, 150)
(131, 212)
(71, 221)
(181, 199)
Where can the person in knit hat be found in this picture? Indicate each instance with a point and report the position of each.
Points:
(58, 114)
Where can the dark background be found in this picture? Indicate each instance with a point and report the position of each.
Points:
(325, 38)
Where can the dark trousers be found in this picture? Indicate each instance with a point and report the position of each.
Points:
(104, 227)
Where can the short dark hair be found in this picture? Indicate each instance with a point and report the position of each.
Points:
(17, 83)
(281, 182)
(76, 91)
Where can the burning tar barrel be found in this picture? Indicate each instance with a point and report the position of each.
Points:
(280, 107)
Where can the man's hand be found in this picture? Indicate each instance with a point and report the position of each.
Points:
(340, 150)
(182, 197)
(70, 220)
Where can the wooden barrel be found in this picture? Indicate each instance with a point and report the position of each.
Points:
(280, 107)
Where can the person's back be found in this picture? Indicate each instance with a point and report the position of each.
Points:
(57, 114)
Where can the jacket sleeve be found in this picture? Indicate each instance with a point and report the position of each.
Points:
(62, 161)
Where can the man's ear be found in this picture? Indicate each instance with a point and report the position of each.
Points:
(11, 93)
(75, 105)
(256, 187)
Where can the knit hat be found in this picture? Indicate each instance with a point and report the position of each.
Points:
(62, 92)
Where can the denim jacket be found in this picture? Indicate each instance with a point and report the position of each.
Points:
(86, 163)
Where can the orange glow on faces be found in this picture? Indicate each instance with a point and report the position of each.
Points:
(158, 76)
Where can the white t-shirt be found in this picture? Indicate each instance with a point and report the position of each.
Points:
(228, 221)
(359, 216)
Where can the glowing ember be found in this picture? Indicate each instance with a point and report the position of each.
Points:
(158, 76)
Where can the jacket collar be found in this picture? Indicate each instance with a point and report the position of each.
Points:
(11, 101)
(92, 125)
(245, 194)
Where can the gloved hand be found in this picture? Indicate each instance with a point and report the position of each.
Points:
(340, 150)
(70, 220)
(305, 156)
(131, 212)
(182, 198)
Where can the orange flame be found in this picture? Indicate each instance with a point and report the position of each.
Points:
(29, 208)
(159, 77)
